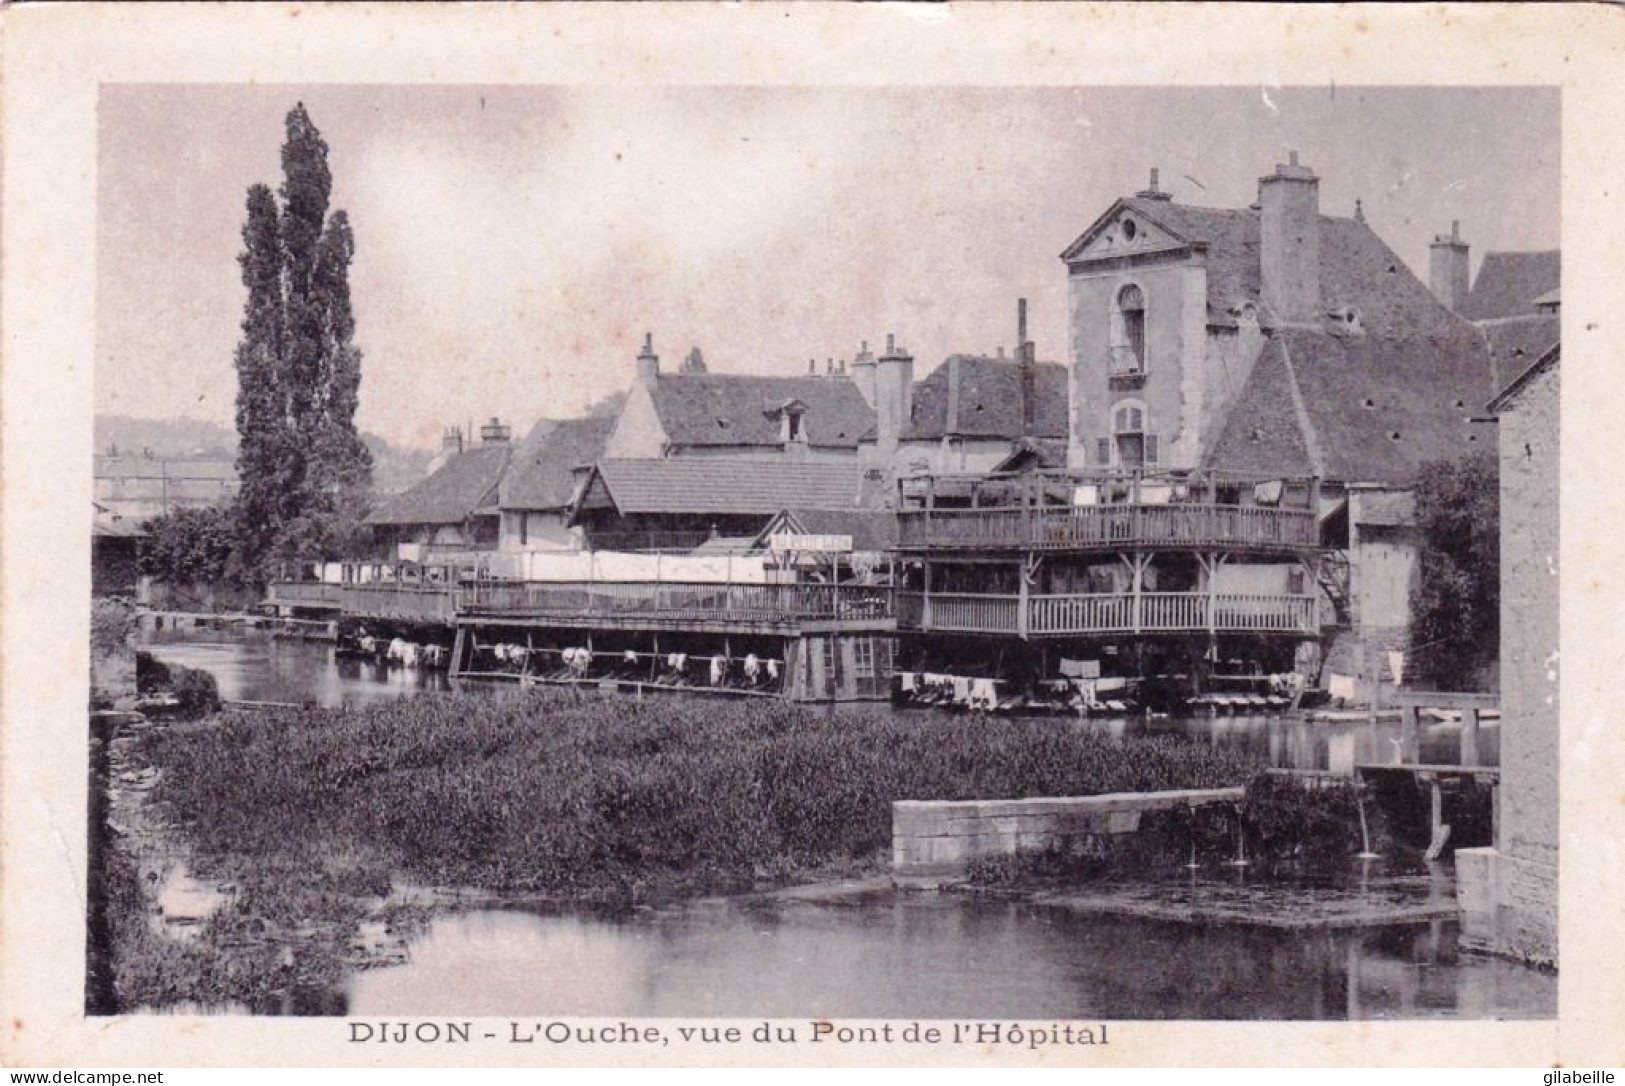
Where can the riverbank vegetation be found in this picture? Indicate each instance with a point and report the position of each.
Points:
(610, 800)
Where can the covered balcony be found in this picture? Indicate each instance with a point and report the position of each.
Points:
(1036, 616)
(1073, 511)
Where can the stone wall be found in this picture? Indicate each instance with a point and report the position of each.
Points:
(942, 837)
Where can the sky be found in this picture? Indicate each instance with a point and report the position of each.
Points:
(514, 244)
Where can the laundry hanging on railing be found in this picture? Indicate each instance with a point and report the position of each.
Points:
(1341, 687)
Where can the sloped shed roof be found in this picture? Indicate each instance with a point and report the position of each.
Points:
(706, 409)
(724, 485)
(542, 475)
(465, 483)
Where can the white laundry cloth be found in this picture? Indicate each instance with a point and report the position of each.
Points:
(629, 656)
(907, 679)
(1155, 493)
(961, 689)
(773, 669)
(1341, 687)
(983, 693)
(1085, 495)
(719, 667)
(1396, 666)
(753, 667)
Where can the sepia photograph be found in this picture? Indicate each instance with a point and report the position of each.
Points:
(923, 567)
(710, 551)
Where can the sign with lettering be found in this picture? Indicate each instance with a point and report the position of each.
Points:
(780, 542)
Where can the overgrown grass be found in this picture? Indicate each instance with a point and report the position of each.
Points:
(607, 799)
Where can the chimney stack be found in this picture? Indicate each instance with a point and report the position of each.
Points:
(1447, 268)
(452, 440)
(1152, 192)
(1027, 367)
(648, 361)
(495, 433)
(894, 396)
(1289, 241)
(863, 373)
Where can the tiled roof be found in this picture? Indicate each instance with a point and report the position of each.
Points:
(989, 400)
(724, 485)
(1042, 453)
(706, 409)
(1508, 396)
(1366, 409)
(870, 529)
(1357, 268)
(1517, 344)
(1388, 509)
(465, 483)
(542, 475)
(1508, 284)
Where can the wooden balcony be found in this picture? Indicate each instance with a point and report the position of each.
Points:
(1111, 613)
(399, 602)
(309, 595)
(1107, 527)
(668, 604)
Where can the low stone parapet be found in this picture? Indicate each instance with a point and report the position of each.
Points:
(942, 837)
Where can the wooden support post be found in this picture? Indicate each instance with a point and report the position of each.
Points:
(1409, 745)
(1023, 624)
(1439, 832)
(1469, 735)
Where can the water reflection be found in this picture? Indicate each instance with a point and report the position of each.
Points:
(251, 665)
(936, 956)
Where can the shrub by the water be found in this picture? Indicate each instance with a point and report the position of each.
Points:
(605, 798)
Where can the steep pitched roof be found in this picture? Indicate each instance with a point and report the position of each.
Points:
(1509, 395)
(989, 400)
(542, 474)
(465, 483)
(1517, 343)
(1357, 268)
(726, 485)
(707, 409)
(1509, 283)
(1367, 409)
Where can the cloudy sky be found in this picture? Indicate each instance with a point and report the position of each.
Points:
(514, 243)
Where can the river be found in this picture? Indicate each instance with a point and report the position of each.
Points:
(881, 952)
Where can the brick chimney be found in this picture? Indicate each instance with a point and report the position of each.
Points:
(894, 395)
(495, 433)
(648, 361)
(863, 373)
(1447, 268)
(452, 440)
(1027, 362)
(1289, 241)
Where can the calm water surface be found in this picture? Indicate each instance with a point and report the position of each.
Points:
(928, 955)
(250, 665)
(900, 954)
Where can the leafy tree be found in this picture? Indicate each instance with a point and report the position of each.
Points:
(190, 545)
(1456, 598)
(305, 473)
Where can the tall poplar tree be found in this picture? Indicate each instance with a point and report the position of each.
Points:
(305, 475)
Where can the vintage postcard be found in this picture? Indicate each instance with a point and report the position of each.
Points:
(970, 534)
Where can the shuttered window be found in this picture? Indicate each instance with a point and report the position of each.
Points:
(1103, 451)
(1150, 448)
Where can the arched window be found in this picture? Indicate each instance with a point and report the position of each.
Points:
(1134, 447)
(1128, 331)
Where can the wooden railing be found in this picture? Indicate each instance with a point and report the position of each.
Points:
(405, 603)
(1089, 526)
(668, 600)
(303, 593)
(1149, 612)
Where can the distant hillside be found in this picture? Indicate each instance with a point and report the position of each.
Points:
(393, 468)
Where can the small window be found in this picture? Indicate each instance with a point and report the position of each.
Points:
(1103, 452)
(1128, 331)
(1130, 228)
(1150, 448)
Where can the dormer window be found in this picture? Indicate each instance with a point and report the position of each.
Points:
(790, 416)
(1128, 331)
(1134, 448)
